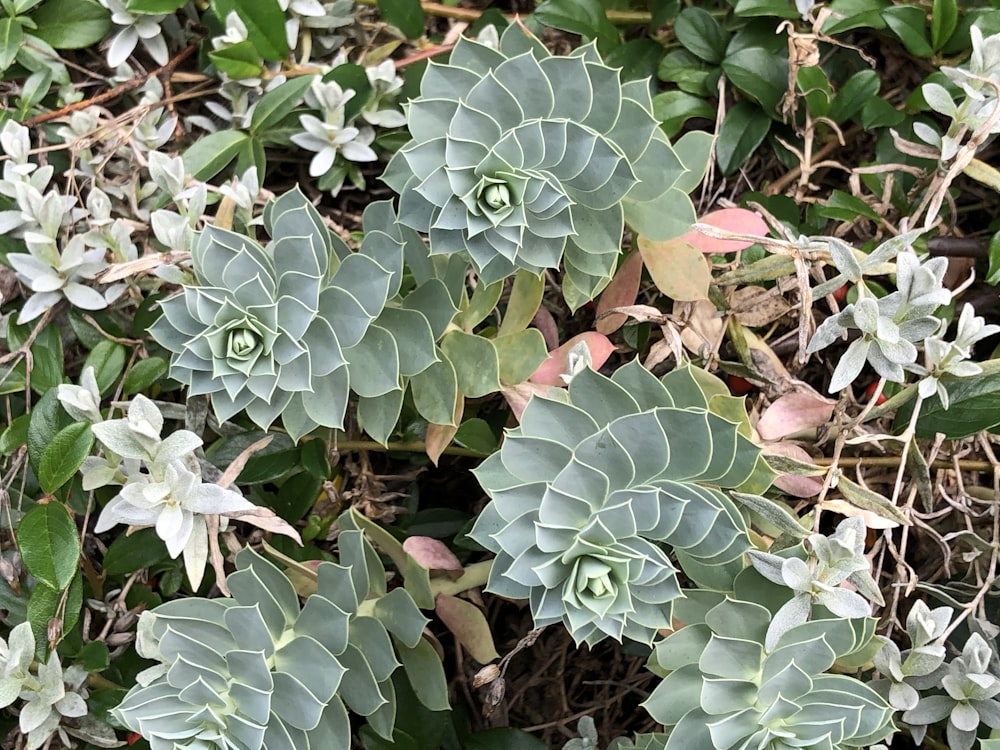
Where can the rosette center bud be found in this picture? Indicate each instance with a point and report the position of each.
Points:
(243, 343)
(595, 578)
(493, 198)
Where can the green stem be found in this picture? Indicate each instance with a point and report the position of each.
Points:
(474, 576)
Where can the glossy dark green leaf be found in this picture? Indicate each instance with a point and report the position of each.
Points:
(854, 14)
(132, 552)
(637, 58)
(153, 6)
(405, 15)
(699, 32)
(266, 467)
(815, 88)
(845, 207)
(993, 275)
(974, 405)
(45, 603)
(674, 108)
(277, 104)
(315, 458)
(584, 17)
(686, 70)
(64, 455)
(49, 544)
(143, 374)
(944, 20)
(72, 24)
(742, 132)
(476, 434)
(878, 113)
(210, 154)
(756, 71)
(776, 8)
(47, 418)
(108, 360)
(297, 495)
(909, 23)
(47, 360)
(15, 435)
(240, 60)
(853, 94)
(11, 36)
(265, 22)
(94, 657)
(504, 738)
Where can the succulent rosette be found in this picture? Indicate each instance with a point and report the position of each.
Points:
(261, 672)
(291, 328)
(526, 160)
(592, 494)
(724, 689)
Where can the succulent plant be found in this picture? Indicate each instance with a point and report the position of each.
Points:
(279, 330)
(260, 672)
(918, 668)
(723, 689)
(525, 160)
(590, 494)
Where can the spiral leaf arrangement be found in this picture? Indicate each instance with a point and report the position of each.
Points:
(591, 494)
(521, 159)
(259, 672)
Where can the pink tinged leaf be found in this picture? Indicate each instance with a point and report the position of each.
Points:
(872, 520)
(545, 323)
(468, 625)
(432, 554)
(678, 269)
(621, 292)
(519, 395)
(794, 412)
(737, 220)
(549, 372)
(439, 436)
(793, 484)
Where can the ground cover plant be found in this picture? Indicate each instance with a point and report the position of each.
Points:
(573, 374)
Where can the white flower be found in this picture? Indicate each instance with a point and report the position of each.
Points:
(330, 139)
(82, 402)
(53, 275)
(134, 27)
(385, 84)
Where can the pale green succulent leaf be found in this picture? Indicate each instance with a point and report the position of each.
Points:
(433, 301)
(676, 696)
(359, 688)
(476, 363)
(374, 363)
(378, 415)
(434, 392)
(663, 218)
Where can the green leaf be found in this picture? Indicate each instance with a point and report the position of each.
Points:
(503, 738)
(523, 303)
(354, 77)
(266, 466)
(49, 544)
(314, 458)
(694, 149)
(143, 374)
(45, 421)
(277, 104)
(154, 6)
(44, 604)
(761, 74)
(11, 36)
(210, 154)
(476, 434)
(476, 363)
(72, 24)
(423, 670)
(131, 552)
(637, 58)
(993, 275)
(484, 300)
(297, 495)
(974, 405)
(108, 360)
(743, 130)
(944, 20)
(405, 15)
(520, 355)
(856, 91)
(878, 113)
(434, 392)
(584, 17)
(674, 108)
(815, 88)
(265, 22)
(845, 207)
(64, 455)
(698, 31)
(776, 8)
(93, 657)
(854, 14)
(909, 23)
(16, 435)
(240, 60)
(47, 360)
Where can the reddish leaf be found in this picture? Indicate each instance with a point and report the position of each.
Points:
(738, 220)
(549, 372)
(519, 395)
(794, 484)
(794, 412)
(432, 554)
(619, 293)
(439, 436)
